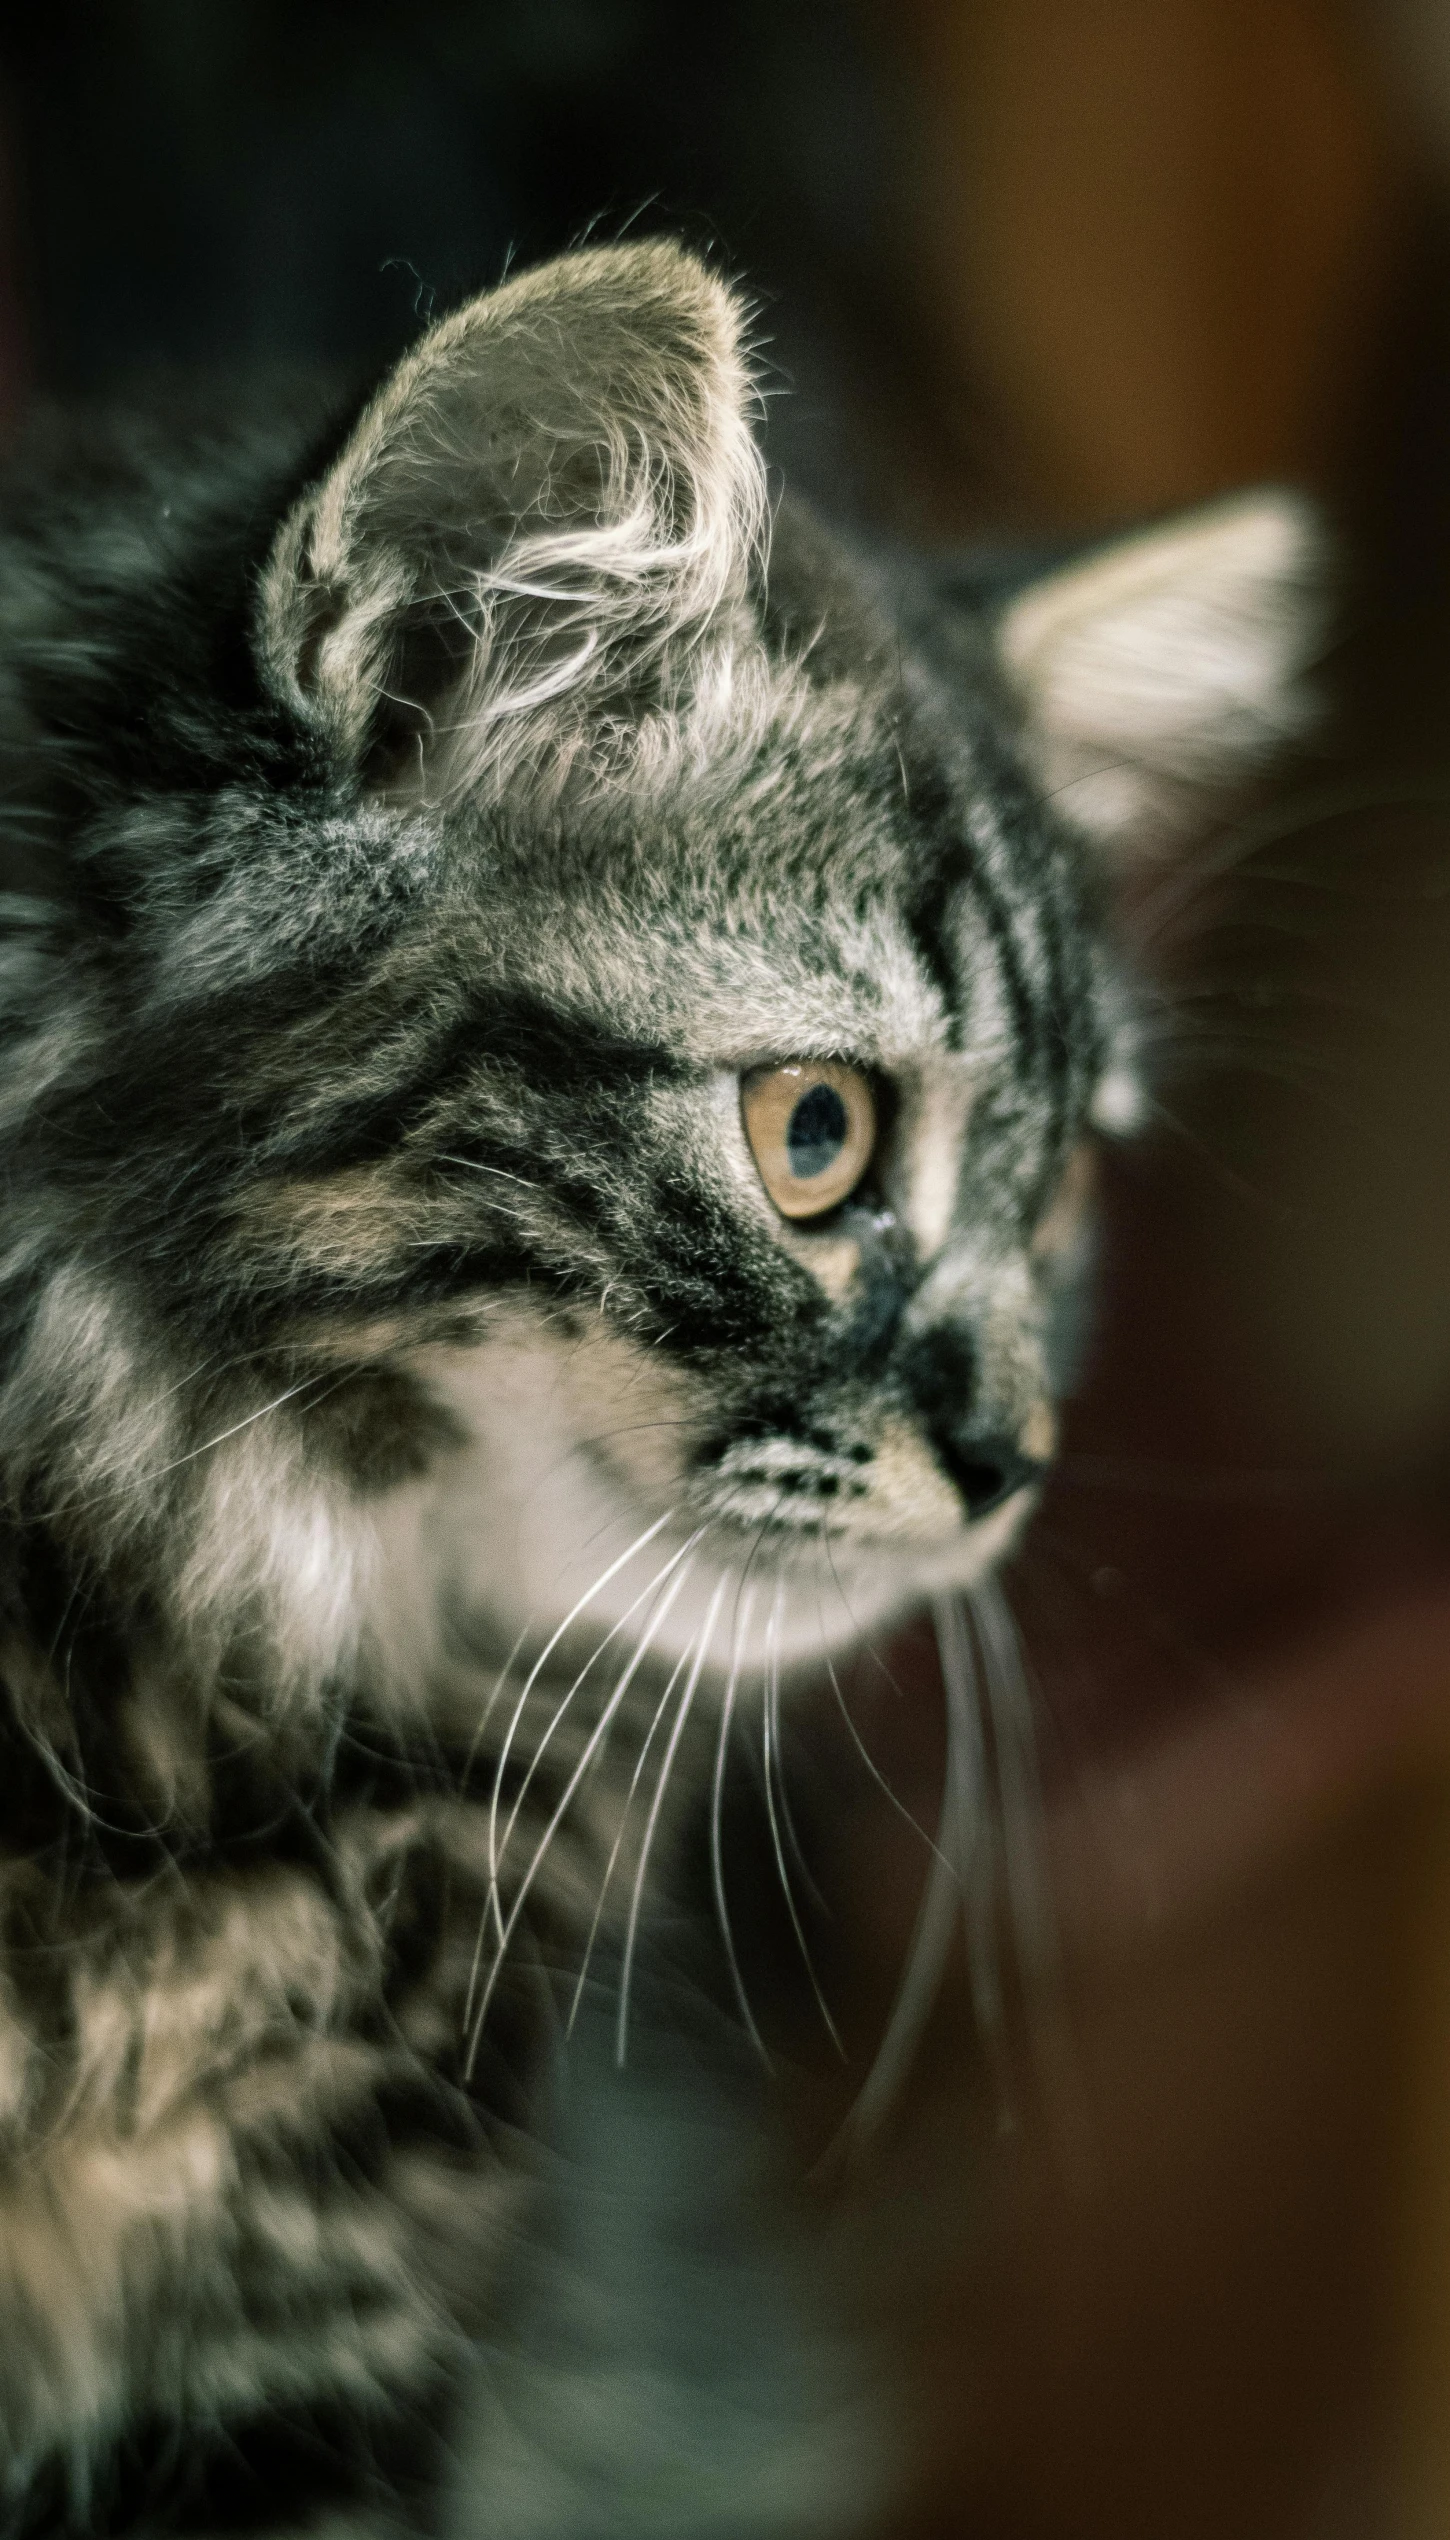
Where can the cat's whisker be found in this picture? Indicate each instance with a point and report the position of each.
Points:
(471, 1755)
(1322, 1074)
(942, 1902)
(1281, 1211)
(770, 1690)
(466, 1164)
(632, 1429)
(670, 1567)
(1229, 991)
(971, 1818)
(592, 1745)
(776, 1760)
(491, 1901)
(622, 1828)
(960, 1882)
(861, 1633)
(159, 1472)
(869, 1760)
(497, 1846)
(505, 1671)
(1298, 818)
(580, 1606)
(676, 1733)
(740, 1636)
(1009, 1699)
(495, 1696)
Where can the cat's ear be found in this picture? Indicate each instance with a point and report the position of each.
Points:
(1170, 666)
(535, 545)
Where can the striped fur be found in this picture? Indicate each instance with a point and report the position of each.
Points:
(414, 1417)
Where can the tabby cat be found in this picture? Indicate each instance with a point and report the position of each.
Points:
(552, 1027)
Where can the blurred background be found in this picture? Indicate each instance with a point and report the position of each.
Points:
(1176, 2260)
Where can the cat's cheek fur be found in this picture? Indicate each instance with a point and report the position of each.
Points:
(210, 1508)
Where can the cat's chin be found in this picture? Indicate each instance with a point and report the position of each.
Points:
(739, 1601)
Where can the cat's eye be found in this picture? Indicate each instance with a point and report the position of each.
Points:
(811, 1126)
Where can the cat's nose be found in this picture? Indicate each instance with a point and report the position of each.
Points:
(987, 1470)
(988, 1464)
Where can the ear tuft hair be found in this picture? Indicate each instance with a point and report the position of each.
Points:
(1171, 664)
(536, 544)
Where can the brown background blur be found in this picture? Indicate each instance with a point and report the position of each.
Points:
(1157, 251)
(1032, 269)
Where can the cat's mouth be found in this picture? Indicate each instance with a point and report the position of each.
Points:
(891, 1497)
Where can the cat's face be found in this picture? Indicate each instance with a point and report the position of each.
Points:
(617, 1030)
(761, 1131)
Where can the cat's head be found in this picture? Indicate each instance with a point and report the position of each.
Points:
(582, 986)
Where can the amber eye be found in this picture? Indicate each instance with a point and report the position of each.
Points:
(811, 1126)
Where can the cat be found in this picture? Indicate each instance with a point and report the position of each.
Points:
(553, 1025)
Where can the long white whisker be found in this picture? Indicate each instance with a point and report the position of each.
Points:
(539, 1664)
(863, 1637)
(972, 1821)
(941, 1902)
(618, 1844)
(469, 1760)
(491, 1903)
(491, 1912)
(776, 1757)
(495, 1171)
(562, 1706)
(869, 1760)
(159, 1472)
(506, 1670)
(596, 1736)
(1010, 1699)
(771, 1682)
(740, 1638)
(676, 1733)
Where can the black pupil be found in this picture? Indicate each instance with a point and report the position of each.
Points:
(817, 1132)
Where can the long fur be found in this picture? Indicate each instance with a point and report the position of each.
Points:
(423, 1446)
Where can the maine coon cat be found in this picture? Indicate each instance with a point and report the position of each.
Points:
(551, 1029)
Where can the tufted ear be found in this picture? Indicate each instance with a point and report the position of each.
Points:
(535, 544)
(1171, 664)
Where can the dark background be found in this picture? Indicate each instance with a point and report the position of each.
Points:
(1026, 269)
(241, 184)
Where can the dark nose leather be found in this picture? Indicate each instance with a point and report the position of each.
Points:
(987, 1465)
(986, 1470)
